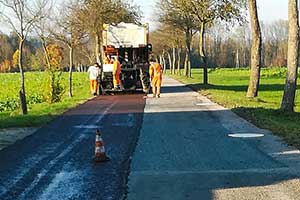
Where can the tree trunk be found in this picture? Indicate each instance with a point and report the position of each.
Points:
(163, 61)
(202, 53)
(71, 53)
(22, 93)
(288, 100)
(255, 51)
(98, 47)
(170, 62)
(187, 62)
(160, 60)
(237, 61)
(179, 61)
(174, 60)
(46, 54)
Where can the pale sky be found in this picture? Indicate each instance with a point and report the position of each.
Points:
(268, 10)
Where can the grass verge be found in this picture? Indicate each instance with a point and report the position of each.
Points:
(228, 87)
(41, 113)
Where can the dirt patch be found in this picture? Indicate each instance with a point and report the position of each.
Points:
(9, 136)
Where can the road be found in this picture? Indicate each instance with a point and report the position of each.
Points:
(174, 147)
(185, 152)
(57, 161)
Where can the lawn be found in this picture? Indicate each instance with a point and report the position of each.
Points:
(228, 87)
(39, 111)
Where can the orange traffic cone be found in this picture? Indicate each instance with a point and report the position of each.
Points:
(100, 155)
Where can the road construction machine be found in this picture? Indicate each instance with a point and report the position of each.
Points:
(130, 43)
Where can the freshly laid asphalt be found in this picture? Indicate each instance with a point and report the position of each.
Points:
(56, 162)
(176, 147)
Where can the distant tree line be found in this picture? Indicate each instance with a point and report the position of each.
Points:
(225, 47)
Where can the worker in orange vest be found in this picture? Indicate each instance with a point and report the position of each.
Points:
(116, 73)
(156, 77)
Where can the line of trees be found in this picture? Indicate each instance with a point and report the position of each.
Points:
(225, 48)
(215, 33)
(75, 26)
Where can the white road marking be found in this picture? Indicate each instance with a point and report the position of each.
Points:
(246, 135)
(296, 152)
(87, 126)
(206, 104)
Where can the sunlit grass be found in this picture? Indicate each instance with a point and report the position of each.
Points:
(228, 87)
(40, 113)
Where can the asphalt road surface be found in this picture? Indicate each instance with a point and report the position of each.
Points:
(177, 147)
(188, 149)
(56, 162)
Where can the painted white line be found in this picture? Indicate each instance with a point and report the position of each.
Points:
(246, 135)
(206, 104)
(87, 126)
(53, 162)
(292, 152)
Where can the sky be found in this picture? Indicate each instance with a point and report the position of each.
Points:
(268, 10)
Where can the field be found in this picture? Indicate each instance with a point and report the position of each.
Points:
(228, 87)
(39, 111)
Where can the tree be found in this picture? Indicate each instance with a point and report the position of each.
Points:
(95, 13)
(255, 51)
(288, 100)
(20, 15)
(6, 50)
(36, 61)
(206, 12)
(54, 58)
(173, 15)
(5, 66)
(69, 31)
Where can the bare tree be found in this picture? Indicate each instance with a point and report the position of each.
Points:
(69, 30)
(95, 13)
(171, 14)
(20, 15)
(288, 100)
(255, 50)
(206, 12)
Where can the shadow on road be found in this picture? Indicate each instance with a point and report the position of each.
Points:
(237, 88)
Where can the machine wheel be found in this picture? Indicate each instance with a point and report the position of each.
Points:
(145, 80)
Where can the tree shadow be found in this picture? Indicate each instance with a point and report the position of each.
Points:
(237, 88)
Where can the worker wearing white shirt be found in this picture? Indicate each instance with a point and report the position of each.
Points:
(94, 72)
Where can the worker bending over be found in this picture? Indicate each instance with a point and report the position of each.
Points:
(156, 77)
(116, 73)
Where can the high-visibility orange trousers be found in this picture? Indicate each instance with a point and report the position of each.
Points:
(116, 80)
(93, 86)
(156, 84)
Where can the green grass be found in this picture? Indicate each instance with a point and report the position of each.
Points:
(39, 113)
(228, 87)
